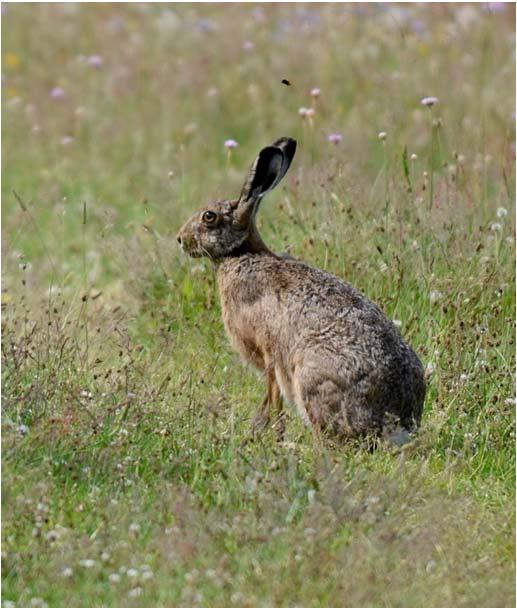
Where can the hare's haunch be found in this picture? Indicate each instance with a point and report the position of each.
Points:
(321, 344)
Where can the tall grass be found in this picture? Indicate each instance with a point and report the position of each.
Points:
(128, 471)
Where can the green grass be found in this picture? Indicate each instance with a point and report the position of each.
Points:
(128, 474)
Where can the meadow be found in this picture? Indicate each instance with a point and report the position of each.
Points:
(128, 474)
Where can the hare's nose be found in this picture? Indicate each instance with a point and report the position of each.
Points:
(179, 239)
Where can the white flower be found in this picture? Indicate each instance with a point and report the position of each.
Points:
(397, 322)
(114, 578)
(382, 135)
(87, 563)
(230, 144)
(132, 573)
(67, 572)
(429, 101)
(502, 212)
(496, 227)
(147, 575)
(434, 296)
(136, 592)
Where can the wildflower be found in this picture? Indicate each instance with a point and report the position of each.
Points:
(502, 212)
(67, 572)
(23, 429)
(429, 101)
(66, 140)
(147, 575)
(57, 93)
(134, 528)
(414, 156)
(496, 7)
(87, 563)
(230, 144)
(95, 61)
(248, 46)
(382, 135)
(114, 578)
(310, 113)
(302, 112)
(132, 573)
(315, 93)
(136, 592)
(335, 138)
(397, 322)
(12, 61)
(496, 227)
(434, 296)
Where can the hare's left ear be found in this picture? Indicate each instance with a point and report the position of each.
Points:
(269, 168)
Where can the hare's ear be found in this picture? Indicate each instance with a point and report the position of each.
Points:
(269, 168)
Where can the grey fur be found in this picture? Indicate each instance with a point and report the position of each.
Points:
(321, 344)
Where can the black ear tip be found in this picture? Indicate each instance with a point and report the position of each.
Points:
(287, 145)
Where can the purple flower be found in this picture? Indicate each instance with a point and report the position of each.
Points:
(248, 46)
(315, 92)
(335, 138)
(57, 93)
(95, 61)
(230, 144)
(429, 101)
(496, 7)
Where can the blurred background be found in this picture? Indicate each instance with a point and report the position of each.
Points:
(126, 109)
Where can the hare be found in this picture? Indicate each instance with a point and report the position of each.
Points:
(321, 344)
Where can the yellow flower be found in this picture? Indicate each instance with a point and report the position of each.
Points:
(12, 61)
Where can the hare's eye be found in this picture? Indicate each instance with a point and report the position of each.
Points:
(209, 217)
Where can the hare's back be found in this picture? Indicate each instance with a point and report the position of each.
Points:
(308, 299)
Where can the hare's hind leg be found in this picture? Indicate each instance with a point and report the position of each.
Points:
(272, 402)
(330, 408)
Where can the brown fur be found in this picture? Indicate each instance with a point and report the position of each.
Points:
(322, 345)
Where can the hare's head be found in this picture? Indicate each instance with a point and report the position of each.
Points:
(225, 228)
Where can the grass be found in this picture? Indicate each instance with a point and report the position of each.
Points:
(128, 477)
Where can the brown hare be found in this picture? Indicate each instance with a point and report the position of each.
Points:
(321, 344)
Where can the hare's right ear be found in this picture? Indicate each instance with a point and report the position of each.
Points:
(269, 168)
